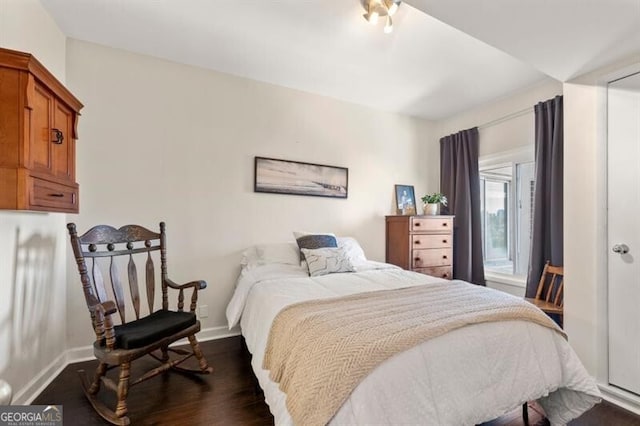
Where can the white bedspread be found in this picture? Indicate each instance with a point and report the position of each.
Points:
(468, 376)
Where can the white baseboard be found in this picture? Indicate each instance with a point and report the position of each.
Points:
(211, 333)
(621, 398)
(31, 390)
(36, 385)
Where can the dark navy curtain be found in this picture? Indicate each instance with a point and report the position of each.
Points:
(546, 237)
(460, 183)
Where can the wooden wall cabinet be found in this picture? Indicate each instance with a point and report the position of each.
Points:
(421, 243)
(38, 119)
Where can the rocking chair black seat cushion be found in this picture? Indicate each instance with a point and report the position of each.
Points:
(150, 329)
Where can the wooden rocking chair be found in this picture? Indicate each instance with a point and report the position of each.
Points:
(119, 345)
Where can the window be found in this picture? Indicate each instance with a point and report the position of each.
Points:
(506, 203)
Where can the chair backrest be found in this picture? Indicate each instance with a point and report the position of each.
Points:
(551, 285)
(108, 243)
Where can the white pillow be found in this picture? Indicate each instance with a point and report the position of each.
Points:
(265, 254)
(286, 253)
(352, 248)
(327, 260)
(249, 256)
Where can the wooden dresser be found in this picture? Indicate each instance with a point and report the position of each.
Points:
(38, 118)
(421, 243)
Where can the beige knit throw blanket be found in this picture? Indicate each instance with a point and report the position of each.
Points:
(320, 350)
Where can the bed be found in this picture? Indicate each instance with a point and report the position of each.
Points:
(465, 376)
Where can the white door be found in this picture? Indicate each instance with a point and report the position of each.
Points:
(624, 232)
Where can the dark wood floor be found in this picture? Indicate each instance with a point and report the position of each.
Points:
(228, 396)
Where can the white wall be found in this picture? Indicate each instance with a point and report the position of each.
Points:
(26, 26)
(503, 135)
(32, 245)
(164, 141)
(585, 242)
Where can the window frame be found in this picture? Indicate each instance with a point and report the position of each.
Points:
(510, 210)
(507, 158)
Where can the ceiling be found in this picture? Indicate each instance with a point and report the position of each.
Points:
(563, 39)
(425, 68)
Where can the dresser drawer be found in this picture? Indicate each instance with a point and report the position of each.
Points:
(45, 194)
(420, 241)
(431, 224)
(437, 271)
(431, 257)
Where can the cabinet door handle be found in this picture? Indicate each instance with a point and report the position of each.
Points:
(58, 137)
(57, 195)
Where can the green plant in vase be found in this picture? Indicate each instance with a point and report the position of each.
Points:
(432, 201)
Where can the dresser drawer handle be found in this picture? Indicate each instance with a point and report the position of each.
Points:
(58, 195)
(445, 275)
(444, 224)
(417, 242)
(444, 256)
(417, 259)
(416, 224)
(58, 136)
(444, 241)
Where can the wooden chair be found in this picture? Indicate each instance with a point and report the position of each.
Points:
(551, 284)
(119, 345)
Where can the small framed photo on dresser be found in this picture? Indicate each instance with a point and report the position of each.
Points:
(405, 200)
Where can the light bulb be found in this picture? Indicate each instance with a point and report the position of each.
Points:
(373, 17)
(388, 27)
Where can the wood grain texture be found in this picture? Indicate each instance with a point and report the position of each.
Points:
(150, 281)
(62, 155)
(107, 241)
(10, 116)
(398, 247)
(40, 146)
(22, 61)
(132, 273)
(38, 116)
(552, 284)
(116, 286)
(422, 244)
(230, 396)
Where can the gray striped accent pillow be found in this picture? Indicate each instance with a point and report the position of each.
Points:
(315, 241)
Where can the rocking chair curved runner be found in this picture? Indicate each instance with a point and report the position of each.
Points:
(119, 345)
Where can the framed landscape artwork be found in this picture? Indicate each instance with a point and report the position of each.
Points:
(297, 178)
(405, 200)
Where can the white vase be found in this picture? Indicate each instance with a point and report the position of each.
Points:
(430, 209)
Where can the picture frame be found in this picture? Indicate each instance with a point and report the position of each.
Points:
(298, 178)
(405, 200)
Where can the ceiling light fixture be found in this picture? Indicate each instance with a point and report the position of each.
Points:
(377, 8)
